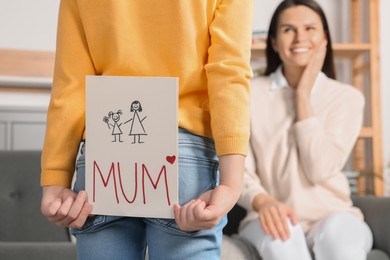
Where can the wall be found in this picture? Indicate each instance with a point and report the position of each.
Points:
(332, 8)
(27, 24)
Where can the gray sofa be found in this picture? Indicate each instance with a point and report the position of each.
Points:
(26, 234)
(376, 212)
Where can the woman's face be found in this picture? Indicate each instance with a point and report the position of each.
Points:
(299, 33)
(135, 106)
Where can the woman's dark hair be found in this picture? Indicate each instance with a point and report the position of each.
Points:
(273, 59)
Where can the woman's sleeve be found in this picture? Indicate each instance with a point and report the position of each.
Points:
(66, 113)
(252, 184)
(324, 145)
(228, 72)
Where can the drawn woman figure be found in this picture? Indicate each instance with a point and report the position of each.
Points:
(136, 128)
(116, 130)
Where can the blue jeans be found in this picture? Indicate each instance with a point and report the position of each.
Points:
(112, 237)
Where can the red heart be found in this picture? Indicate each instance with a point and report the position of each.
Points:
(171, 159)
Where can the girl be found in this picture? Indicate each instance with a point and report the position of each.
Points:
(207, 45)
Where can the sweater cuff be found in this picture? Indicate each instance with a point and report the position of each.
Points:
(56, 178)
(246, 199)
(225, 146)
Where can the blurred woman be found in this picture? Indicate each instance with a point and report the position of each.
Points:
(304, 125)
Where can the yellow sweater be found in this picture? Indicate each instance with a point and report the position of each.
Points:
(205, 43)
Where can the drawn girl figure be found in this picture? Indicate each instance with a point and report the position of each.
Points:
(116, 130)
(136, 128)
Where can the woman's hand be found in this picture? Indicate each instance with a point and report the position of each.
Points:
(312, 69)
(307, 81)
(273, 216)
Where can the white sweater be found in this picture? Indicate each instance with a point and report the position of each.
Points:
(300, 163)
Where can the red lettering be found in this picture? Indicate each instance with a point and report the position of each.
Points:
(163, 170)
(112, 173)
(136, 184)
(105, 181)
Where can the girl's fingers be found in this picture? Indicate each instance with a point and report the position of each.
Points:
(62, 211)
(51, 210)
(176, 213)
(192, 216)
(82, 217)
(180, 213)
(198, 210)
(76, 207)
(190, 212)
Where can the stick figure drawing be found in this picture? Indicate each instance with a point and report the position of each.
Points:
(136, 128)
(116, 130)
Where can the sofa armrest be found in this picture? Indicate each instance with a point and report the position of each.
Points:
(376, 212)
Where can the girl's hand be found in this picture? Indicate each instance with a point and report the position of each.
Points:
(273, 216)
(207, 211)
(65, 207)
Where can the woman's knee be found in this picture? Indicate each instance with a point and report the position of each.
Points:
(294, 248)
(342, 236)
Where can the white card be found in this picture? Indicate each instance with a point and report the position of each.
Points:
(131, 145)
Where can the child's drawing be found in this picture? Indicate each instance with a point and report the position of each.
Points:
(137, 128)
(116, 130)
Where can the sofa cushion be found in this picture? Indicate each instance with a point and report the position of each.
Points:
(38, 250)
(234, 247)
(20, 199)
(377, 254)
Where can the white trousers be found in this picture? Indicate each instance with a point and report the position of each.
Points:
(340, 236)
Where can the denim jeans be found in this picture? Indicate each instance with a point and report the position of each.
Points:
(114, 237)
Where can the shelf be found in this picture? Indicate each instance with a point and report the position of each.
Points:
(25, 82)
(26, 102)
(26, 63)
(26, 68)
(366, 132)
(341, 50)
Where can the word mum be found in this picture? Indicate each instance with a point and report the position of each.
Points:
(115, 176)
